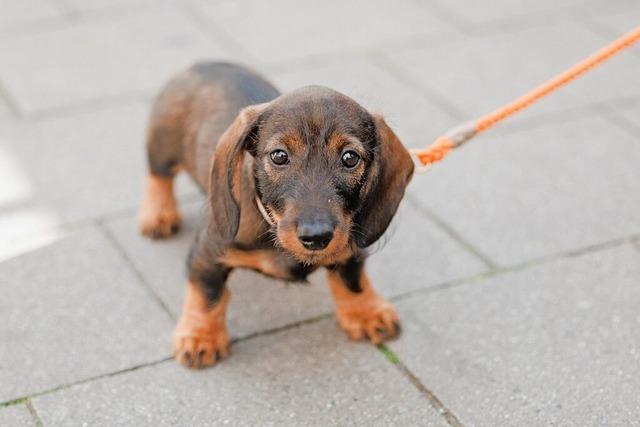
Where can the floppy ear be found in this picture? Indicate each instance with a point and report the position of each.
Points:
(226, 172)
(392, 171)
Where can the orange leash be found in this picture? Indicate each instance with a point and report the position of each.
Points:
(461, 134)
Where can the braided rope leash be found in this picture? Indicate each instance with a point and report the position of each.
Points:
(461, 134)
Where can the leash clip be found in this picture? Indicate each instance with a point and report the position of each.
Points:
(419, 167)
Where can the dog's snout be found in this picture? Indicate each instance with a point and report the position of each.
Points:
(315, 235)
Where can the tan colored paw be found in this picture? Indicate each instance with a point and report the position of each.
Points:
(199, 348)
(372, 318)
(159, 216)
(159, 222)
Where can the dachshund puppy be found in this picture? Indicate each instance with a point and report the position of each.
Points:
(296, 181)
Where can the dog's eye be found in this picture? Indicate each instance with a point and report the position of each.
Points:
(279, 157)
(350, 159)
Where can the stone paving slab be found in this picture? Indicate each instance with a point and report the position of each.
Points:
(16, 14)
(94, 60)
(26, 229)
(282, 30)
(483, 12)
(261, 303)
(16, 415)
(416, 254)
(5, 113)
(480, 74)
(309, 375)
(525, 195)
(632, 114)
(616, 18)
(71, 311)
(416, 120)
(101, 6)
(556, 344)
(85, 165)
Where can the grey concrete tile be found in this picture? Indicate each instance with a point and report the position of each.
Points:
(613, 23)
(483, 12)
(556, 344)
(5, 113)
(416, 120)
(415, 254)
(94, 60)
(85, 165)
(483, 73)
(26, 229)
(307, 376)
(97, 6)
(282, 29)
(16, 416)
(74, 310)
(632, 114)
(524, 195)
(16, 14)
(24, 224)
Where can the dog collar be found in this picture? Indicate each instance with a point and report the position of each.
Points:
(264, 212)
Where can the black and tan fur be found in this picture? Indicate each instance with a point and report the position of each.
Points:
(221, 122)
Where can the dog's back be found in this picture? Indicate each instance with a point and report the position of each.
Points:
(194, 109)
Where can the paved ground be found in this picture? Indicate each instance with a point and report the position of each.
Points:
(515, 264)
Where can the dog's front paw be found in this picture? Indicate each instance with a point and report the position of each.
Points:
(196, 346)
(369, 317)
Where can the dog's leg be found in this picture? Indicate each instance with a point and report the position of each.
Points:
(159, 216)
(200, 338)
(361, 312)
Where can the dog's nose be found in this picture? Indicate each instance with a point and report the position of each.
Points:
(315, 235)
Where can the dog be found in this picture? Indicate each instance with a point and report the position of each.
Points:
(295, 182)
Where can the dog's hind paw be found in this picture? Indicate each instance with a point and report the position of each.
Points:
(159, 216)
(159, 222)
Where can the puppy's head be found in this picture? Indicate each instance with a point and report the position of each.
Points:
(330, 173)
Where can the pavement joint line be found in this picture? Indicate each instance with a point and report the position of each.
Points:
(25, 399)
(542, 120)
(286, 327)
(88, 106)
(592, 25)
(431, 95)
(123, 253)
(435, 402)
(618, 120)
(9, 101)
(61, 23)
(309, 62)
(73, 226)
(34, 413)
(450, 231)
(201, 22)
(449, 16)
(602, 30)
(319, 60)
(499, 271)
(521, 22)
(65, 8)
(41, 26)
(396, 298)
